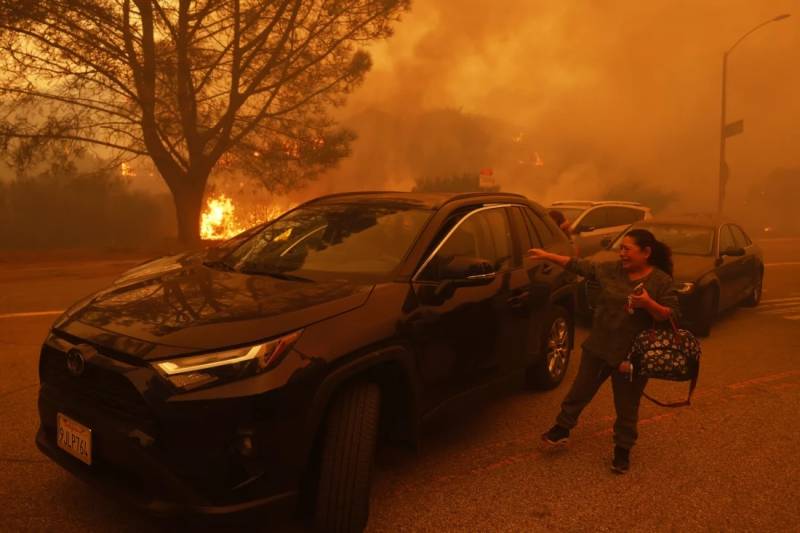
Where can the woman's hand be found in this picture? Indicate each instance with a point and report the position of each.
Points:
(537, 254)
(642, 300)
(646, 302)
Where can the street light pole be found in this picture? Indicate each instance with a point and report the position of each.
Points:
(728, 130)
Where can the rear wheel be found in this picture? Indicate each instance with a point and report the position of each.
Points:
(347, 456)
(709, 304)
(549, 371)
(755, 295)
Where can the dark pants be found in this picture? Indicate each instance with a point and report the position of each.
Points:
(592, 373)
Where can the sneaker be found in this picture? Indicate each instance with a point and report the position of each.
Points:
(556, 435)
(622, 460)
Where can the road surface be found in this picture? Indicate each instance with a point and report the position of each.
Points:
(729, 462)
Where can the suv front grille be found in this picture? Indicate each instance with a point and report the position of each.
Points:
(97, 385)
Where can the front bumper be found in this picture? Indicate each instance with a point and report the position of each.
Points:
(168, 457)
(104, 480)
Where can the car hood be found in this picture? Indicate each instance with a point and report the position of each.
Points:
(687, 268)
(180, 303)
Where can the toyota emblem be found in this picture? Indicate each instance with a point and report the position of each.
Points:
(75, 362)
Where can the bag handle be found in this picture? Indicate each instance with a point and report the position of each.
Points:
(687, 401)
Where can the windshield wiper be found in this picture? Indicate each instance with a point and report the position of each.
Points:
(278, 275)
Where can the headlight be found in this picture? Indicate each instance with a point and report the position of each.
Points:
(684, 288)
(228, 365)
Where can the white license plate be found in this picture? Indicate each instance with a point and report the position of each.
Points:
(74, 438)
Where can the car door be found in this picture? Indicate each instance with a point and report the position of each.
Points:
(464, 339)
(543, 277)
(729, 269)
(749, 264)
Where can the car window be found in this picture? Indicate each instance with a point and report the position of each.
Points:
(484, 235)
(500, 229)
(681, 238)
(570, 213)
(538, 228)
(622, 216)
(739, 237)
(362, 240)
(596, 218)
(726, 241)
(526, 240)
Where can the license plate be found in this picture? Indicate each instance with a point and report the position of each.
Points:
(74, 438)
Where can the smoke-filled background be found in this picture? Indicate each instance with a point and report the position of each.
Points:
(612, 96)
(563, 100)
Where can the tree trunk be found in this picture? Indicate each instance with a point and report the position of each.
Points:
(188, 201)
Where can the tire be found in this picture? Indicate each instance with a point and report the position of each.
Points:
(710, 303)
(348, 454)
(755, 296)
(550, 369)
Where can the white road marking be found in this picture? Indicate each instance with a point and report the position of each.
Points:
(776, 305)
(792, 299)
(792, 317)
(786, 263)
(780, 311)
(33, 313)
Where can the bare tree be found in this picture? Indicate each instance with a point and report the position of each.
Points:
(191, 84)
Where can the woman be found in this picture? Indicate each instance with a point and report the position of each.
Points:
(619, 316)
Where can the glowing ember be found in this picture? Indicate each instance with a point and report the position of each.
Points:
(221, 220)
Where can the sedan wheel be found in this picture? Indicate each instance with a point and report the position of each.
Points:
(755, 296)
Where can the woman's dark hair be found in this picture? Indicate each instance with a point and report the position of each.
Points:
(660, 253)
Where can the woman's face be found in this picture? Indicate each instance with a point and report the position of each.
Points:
(633, 257)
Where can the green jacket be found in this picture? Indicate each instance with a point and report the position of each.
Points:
(613, 328)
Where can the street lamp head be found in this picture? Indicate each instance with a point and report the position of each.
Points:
(781, 17)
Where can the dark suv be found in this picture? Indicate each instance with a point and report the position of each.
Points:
(268, 367)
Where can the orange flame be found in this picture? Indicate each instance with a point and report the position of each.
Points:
(221, 220)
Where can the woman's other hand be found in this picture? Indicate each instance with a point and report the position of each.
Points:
(641, 301)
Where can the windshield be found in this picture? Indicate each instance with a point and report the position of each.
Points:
(683, 240)
(570, 213)
(342, 239)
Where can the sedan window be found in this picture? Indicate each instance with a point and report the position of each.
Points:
(682, 239)
(726, 241)
(739, 237)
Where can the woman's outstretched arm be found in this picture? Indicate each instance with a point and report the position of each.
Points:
(582, 267)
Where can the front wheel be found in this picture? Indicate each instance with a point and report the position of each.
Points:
(348, 454)
(754, 298)
(549, 371)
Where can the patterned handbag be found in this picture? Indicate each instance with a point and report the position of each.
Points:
(672, 354)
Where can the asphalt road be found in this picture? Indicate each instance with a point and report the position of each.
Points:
(729, 462)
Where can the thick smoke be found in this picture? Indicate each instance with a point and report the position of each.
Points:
(603, 94)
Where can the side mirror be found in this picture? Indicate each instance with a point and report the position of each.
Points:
(733, 252)
(581, 228)
(606, 242)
